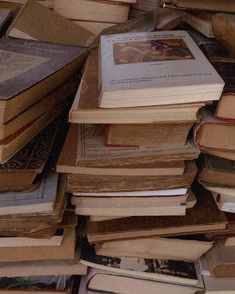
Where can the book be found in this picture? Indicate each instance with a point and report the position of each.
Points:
(158, 135)
(201, 21)
(168, 19)
(25, 167)
(28, 25)
(45, 67)
(166, 68)
(203, 217)
(48, 103)
(94, 27)
(100, 280)
(224, 204)
(10, 145)
(109, 12)
(214, 134)
(85, 107)
(223, 24)
(47, 267)
(218, 285)
(89, 150)
(211, 5)
(177, 272)
(216, 171)
(155, 248)
(5, 15)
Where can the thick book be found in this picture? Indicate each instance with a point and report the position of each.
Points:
(97, 183)
(203, 217)
(159, 135)
(85, 107)
(29, 25)
(177, 272)
(93, 10)
(85, 146)
(214, 134)
(157, 68)
(211, 5)
(216, 171)
(43, 65)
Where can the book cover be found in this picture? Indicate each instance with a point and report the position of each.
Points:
(166, 64)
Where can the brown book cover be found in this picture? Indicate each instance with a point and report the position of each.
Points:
(159, 135)
(43, 65)
(29, 25)
(203, 217)
(216, 171)
(88, 183)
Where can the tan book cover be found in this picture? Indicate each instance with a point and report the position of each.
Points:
(85, 107)
(29, 25)
(158, 135)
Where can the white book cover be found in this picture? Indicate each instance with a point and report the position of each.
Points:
(167, 61)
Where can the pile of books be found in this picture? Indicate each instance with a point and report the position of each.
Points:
(130, 163)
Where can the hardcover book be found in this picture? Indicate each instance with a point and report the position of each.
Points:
(157, 68)
(44, 67)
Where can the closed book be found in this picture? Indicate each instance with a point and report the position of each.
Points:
(85, 107)
(157, 68)
(43, 65)
(29, 24)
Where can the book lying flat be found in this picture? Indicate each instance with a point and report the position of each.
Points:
(85, 108)
(29, 25)
(177, 272)
(44, 68)
(203, 217)
(157, 68)
(85, 147)
(96, 183)
(19, 173)
(99, 281)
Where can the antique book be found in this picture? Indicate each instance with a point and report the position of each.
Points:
(166, 68)
(10, 145)
(224, 204)
(211, 5)
(28, 25)
(155, 248)
(226, 194)
(158, 135)
(85, 107)
(95, 183)
(135, 227)
(85, 147)
(24, 168)
(168, 19)
(152, 269)
(44, 67)
(221, 260)
(201, 21)
(102, 281)
(47, 267)
(92, 10)
(214, 134)
(216, 171)
(48, 103)
(223, 24)
(218, 285)
(62, 252)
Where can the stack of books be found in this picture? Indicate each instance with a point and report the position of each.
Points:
(129, 161)
(94, 15)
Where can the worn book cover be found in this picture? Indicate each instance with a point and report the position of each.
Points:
(29, 25)
(44, 67)
(155, 68)
(159, 270)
